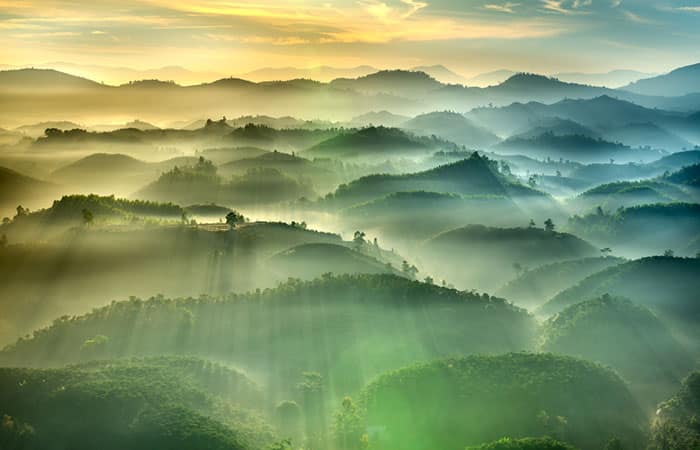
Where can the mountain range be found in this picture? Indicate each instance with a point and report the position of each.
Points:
(398, 91)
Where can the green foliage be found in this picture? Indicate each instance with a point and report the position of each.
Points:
(476, 175)
(292, 329)
(84, 209)
(482, 257)
(376, 142)
(523, 444)
(676, 424)
(233, 218)
(308, 261)
(689, 175)
(451, 403)
(665, 285)
(201, 183)
(348, 427)
(672, 225)
(139, 404)
(637, 343)
(536, 285)
(576, 147)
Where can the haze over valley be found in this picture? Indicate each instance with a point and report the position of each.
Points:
(349, 226)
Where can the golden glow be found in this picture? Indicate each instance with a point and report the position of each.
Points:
(233, 37)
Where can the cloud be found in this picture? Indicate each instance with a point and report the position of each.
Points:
(395, 12)
(636, 18)
(505, 8)
(555, 6)
(565, 6)
(206, 33)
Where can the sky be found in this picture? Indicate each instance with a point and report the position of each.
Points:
(468, 36)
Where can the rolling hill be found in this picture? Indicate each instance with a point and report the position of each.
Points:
(453, 127)
(374, 142)
(38, 80)
(647, 135)
(599, 113)
(136, 404)
(399, 91)
(418, 215)
(474, 400)
(681, 81)
(289, 330)
(673, 226)
(309, 261)
(377, 118)
(578, 148)
(534, 286)
(607, 173)
(674, 425)
(687, 176)
(221, 155)
(625, 194)
(482, 257)
(665, 285)
(17, 189)
(288, 164)
(476, 175)
(403, 83)
(613, 79)
(441, 73)
(555, 126)
(637, 344)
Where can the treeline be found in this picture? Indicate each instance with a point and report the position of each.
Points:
(291, 329)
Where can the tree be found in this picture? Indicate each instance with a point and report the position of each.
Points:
(532, 181)
(409, 270)
(549, 225)
(348, 427)
(429, 280)
(311, 388)
(21, 211)
(88, 218)
(531, 224)
(359, 238)
(669, 253)
(234, 218)
(606, 251)
(3, 241)
(6, 220)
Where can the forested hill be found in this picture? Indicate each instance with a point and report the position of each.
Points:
(664, 284)
(474, 175)
(467, 401)
(346, 315)
(174, 403)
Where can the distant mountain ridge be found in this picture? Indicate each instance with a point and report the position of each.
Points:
(402, 92)
(319, 73)
(681, 81)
